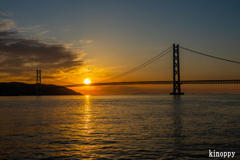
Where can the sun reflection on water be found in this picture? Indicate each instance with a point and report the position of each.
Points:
(87, 120)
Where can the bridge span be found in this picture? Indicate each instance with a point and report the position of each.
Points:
(195, 67)
(160, 82)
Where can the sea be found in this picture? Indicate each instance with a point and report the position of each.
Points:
(121, 127)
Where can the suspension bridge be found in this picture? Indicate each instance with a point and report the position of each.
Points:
(177, 66)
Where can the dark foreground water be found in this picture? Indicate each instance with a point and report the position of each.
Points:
(119, 127)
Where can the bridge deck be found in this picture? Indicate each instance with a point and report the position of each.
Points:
(160, 82)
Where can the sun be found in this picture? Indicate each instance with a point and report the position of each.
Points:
(87, 81)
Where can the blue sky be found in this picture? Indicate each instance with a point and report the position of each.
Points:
(152, 23)
(114, 35)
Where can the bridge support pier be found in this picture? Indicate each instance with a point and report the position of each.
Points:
(176, 72)
(38, 82)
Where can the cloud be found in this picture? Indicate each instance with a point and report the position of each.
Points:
(43, 32)
(30, 28)
(20, 55)
(50, 38)
(9, 33)
(4, 14)
(85, 41)
(6, 24)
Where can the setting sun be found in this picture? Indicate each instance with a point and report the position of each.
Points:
(87, 81)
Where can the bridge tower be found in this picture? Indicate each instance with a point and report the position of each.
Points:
(176, 71)
(38, 82)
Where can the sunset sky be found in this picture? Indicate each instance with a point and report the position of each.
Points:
(71, 40)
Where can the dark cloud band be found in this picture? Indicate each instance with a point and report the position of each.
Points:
(18, 55)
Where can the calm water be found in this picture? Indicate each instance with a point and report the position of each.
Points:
(119, 127)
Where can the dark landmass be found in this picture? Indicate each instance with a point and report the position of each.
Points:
(17, 89)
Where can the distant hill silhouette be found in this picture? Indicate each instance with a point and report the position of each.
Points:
(16, 88)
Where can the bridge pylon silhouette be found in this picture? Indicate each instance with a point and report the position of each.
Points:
(176, 71)
(38, 82)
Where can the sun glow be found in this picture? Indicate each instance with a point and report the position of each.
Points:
(87, 81)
